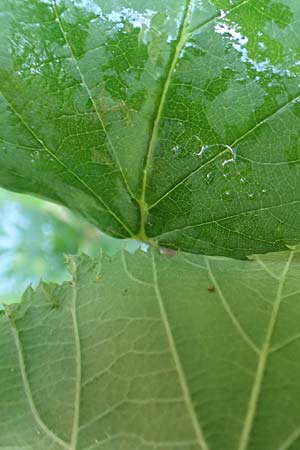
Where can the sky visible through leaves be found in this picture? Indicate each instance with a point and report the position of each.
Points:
(35, 236)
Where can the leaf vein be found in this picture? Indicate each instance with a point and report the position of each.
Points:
(266, 268)
(154, 134)
(234, 143)
(62, 164)
(77, 397)
(242, 333)
(128, 273)
(84, 83)
(262, 362)
(233, 216)
(27, 387)
(181, 376)
(290, 440)
(213, 18)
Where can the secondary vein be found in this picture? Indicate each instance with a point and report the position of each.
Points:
(242, 333)
(225, 218)
(232, 145)
(66, 168)
(84, 83)
(262, 362)
(27, 388)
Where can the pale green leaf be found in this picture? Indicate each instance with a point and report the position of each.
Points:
(149, 352)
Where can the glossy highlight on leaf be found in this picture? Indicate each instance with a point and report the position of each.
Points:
(137, 352)
(173, 122)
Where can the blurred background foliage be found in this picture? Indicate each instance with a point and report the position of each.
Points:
(34, 237)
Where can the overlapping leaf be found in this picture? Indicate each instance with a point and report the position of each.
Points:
(175, 121)
(147, 352)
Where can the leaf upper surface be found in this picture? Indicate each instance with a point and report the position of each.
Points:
(131, 355)
(175, 122)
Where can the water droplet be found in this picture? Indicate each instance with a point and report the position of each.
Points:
(209, 176)
(232, 157)
(251, 195)
(176, 149)
(35, 156)
(228, 196)
(203, 148)
(264, 191)
(243, 180)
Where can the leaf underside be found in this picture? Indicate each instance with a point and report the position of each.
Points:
(131, 355)
(175, 122)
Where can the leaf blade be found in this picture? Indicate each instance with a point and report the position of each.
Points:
(177, 124)
(153, 352)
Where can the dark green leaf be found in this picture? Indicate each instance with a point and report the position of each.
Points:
(174, 121)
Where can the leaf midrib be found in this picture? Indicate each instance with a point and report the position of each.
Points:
(78, 377)
(154, 135)
(181, 376)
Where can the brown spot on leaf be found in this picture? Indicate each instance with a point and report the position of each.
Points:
(168, 252)
(211, 288)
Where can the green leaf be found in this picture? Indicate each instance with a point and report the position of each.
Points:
(176, 121)
(153, 352)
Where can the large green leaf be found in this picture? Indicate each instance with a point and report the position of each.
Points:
(173, 121)
(185, 352)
